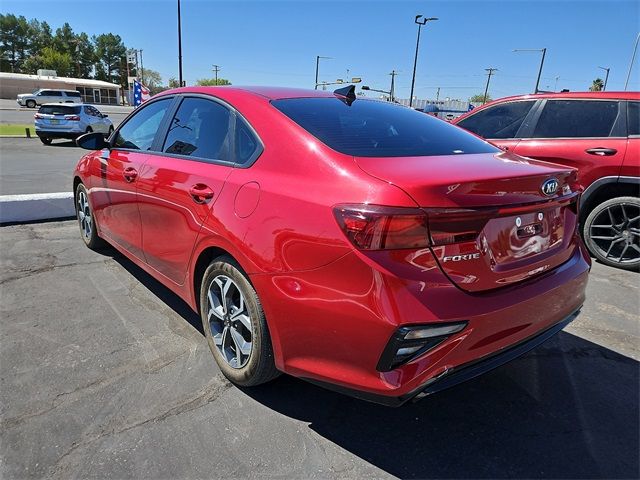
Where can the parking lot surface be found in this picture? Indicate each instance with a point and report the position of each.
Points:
(105, 373)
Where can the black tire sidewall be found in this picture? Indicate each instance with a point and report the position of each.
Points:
(46, 140)
(30, 104)
(593, 249)
(261, 358)
(94, 242)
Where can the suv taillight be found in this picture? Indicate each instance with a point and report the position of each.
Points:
(37, 115)
(72, 117)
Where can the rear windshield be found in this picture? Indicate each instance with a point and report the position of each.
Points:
(59, 110)
(369, 128)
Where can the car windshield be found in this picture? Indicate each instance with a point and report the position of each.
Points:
(369, 128)
(59, 110)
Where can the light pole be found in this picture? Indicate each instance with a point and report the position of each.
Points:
(141, 67)
(389, 93)
(415, 60)
(318, 57)
(606, 77)
(179, 47)
(544, 52)
(392, 90)
(633, 57)
(486, 90)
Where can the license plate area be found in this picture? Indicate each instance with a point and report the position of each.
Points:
(529, 230)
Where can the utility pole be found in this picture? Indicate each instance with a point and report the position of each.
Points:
(141, 67)
(216, 69)
(544, 52)
(179, 47)
(318, 57)
(415, 60)
(437, 94)
(486, 90)
(555, 86)
(606, 69)
(633, 57)
(392, 95)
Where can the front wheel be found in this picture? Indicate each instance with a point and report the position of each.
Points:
(31, 104)
(86, 221)
(46, 140)
(235, 325)
(612, 232)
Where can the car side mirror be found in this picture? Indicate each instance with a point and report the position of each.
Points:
(92, 141)
(104, 115)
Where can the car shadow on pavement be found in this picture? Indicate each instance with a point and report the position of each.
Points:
(568, 409)
(69, 143)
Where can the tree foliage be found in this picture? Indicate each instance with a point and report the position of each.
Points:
(597, 85)
(50, 59)
(210, 82)
(480, 98)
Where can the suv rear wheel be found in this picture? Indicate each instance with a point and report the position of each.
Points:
(612, 232)
(31, 104)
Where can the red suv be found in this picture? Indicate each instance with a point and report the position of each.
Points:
(596, 132)
(357, 244)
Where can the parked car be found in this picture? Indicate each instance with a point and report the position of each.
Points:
(358, 244)
(596, 132)
(42, 96)
(55, 120)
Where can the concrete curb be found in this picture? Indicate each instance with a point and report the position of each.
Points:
(33, 207)
(18, 136)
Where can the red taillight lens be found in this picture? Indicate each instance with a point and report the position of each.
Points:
(37, 115)
(373, 227)
(72, 117)
(448, 226)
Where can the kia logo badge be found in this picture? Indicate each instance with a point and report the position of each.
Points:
(549, 187)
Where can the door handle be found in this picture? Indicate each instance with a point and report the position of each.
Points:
(130, 174)
(601, 151)
(201, 193)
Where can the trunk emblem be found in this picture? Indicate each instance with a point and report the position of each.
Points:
(549, 187)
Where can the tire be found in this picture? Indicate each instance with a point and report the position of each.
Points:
(242, 320)
(86, 221)
(88, 130)
(108, 134)
(46, 140)
(30, 103)
(612, 232)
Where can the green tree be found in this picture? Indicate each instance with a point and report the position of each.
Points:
(152, 78)
(209, 82)
(50, 59)
(14, 42)
(40, 36)
(64, 41)
(110, 57)
(480, 98)
(85, 55)
(597, 85)
(173, 83)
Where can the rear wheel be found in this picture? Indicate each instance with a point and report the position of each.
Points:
(88, 130)
(86, 221)
(31, 104)
(46, 140)
(109, 132)
(235, 325)
(612, 232)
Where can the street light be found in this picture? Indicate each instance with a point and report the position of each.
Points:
(339, 81)
(318, 57)
(179, 47)
(415, 61)
(606, 69)
(366, 87)
(544, 52)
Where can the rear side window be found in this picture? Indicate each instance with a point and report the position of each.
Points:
(577, 118)
(73, 94)
(200, 128)
(59, 110)
(633, 118)
(140, 130)
(247, 145)
(369, 128)
(52, 93)
(499, 121)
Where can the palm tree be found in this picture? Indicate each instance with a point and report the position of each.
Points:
(597, 85)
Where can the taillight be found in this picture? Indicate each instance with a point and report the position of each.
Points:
(374, 227)
(37, 115)
(72, 117)
(448, 226)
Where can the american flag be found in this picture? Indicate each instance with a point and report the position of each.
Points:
(140, 93)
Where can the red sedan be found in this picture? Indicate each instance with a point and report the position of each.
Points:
(357, 244)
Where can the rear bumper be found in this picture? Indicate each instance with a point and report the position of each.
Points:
(459, 374)
(58, 134)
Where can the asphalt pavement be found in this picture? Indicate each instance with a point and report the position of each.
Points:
(28, 166)
(105, 373)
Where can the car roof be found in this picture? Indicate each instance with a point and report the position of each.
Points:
(57, 104)
(269, 93)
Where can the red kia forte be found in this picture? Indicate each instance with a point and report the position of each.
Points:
(357, 244)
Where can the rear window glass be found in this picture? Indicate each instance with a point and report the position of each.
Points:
(73, 94)
(633, 118)
(577, 118)
(368, 128)
(59, 110)
(499, 121)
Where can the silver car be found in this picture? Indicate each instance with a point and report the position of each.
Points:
(55, 120)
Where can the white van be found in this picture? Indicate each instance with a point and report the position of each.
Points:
(39, 97)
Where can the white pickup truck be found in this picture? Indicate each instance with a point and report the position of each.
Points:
(39, 97)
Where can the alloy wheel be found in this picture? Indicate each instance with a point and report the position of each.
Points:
(229, 321)
(615, 233)
(84, 215)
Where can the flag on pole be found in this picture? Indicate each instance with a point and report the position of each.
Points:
(140, 93)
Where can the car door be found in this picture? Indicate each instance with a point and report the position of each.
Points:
(500, 123)
(115, 176)
(581, 133)
(631, 164)
(95, 119)
(177, 190)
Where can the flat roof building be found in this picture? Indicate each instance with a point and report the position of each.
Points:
(92, 91)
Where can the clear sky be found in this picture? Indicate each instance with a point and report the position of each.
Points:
(276, 43)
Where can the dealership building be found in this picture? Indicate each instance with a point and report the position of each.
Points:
(92, 91)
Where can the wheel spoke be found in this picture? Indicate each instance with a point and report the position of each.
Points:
(245, 320)
(214, 306)
(624, 213)
(603, 238)
(611, 246)
(613, 221)
(242, 347)
(624, 250)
